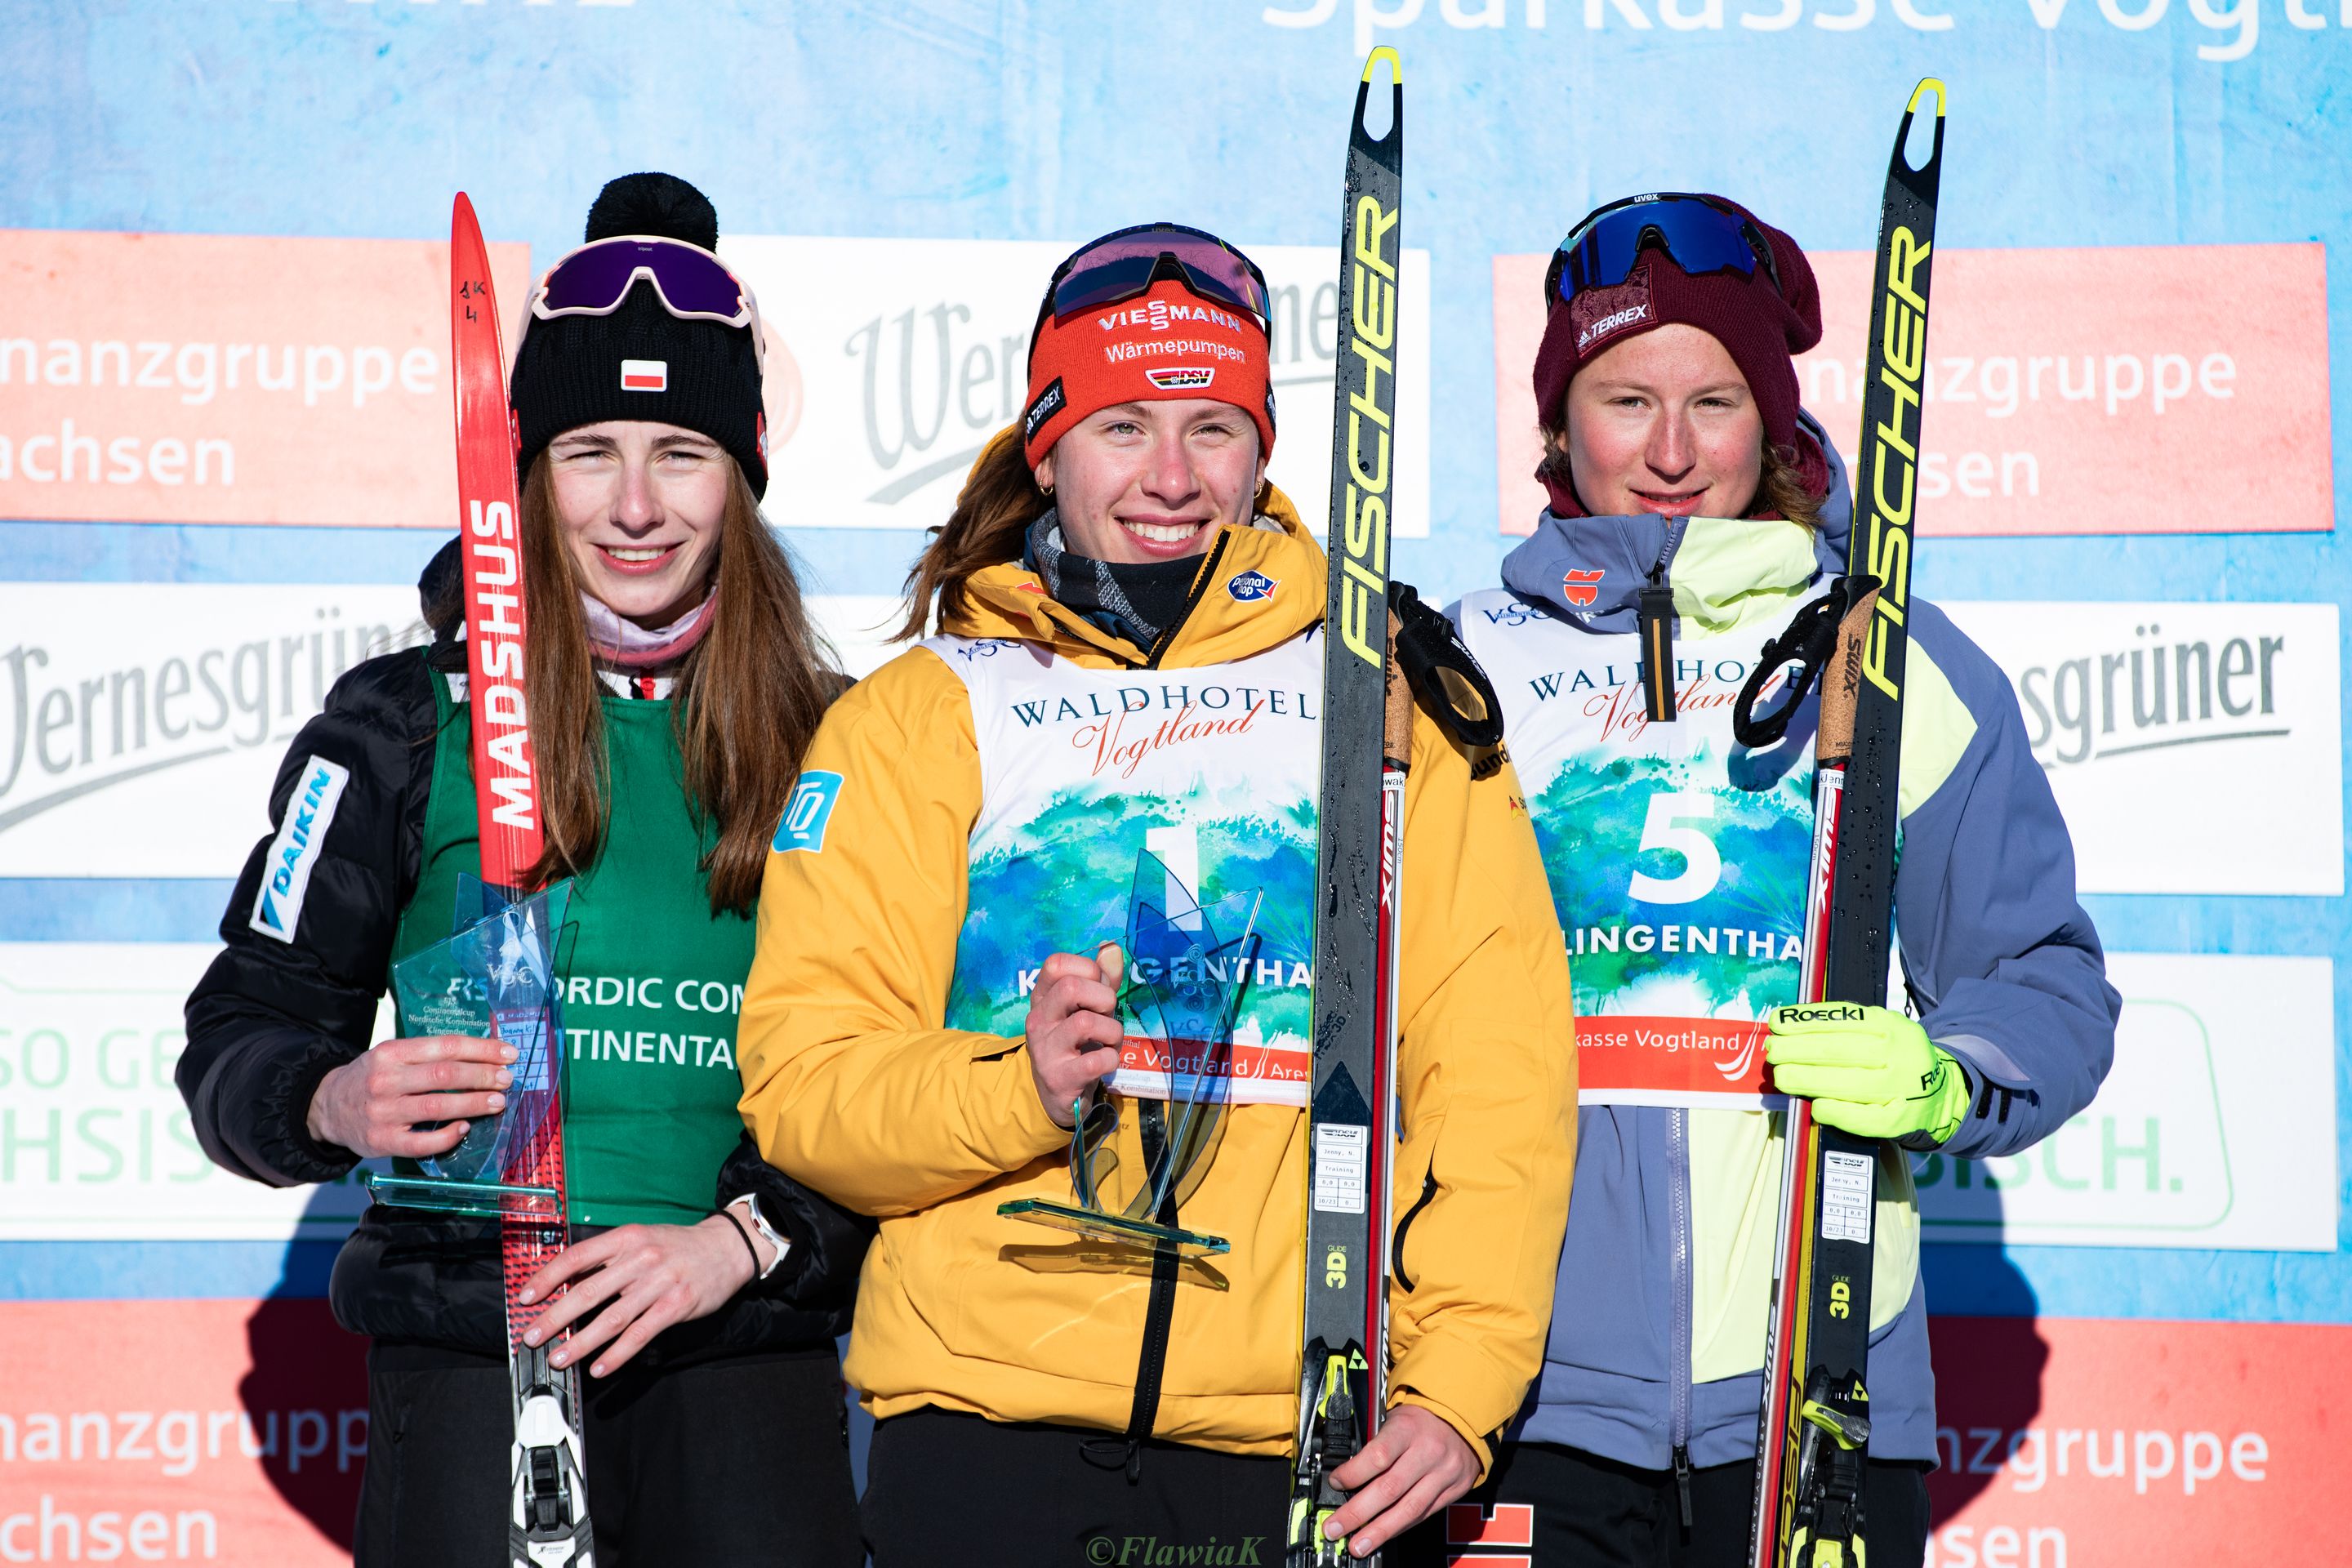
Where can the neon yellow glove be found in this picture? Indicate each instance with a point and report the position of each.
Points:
(1869, 1071)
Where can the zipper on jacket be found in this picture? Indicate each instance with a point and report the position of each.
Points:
(1679, 1382)
(1656, 623)
(1191, 602)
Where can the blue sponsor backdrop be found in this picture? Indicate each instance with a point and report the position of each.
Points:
(2075, 122)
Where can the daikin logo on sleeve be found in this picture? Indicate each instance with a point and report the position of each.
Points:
(286, 874)
(807, 813)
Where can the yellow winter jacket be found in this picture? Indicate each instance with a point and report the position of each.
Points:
(852, 1085)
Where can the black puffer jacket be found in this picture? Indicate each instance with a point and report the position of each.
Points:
(271, 1018)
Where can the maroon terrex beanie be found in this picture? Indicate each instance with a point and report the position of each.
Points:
(1762, 329)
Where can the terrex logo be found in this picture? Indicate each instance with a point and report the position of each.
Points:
(1597, 313)
(1174, 380)
(286, 872)
(1582, 587)
(1249, 587)
(1049, 402)
(1610, 323)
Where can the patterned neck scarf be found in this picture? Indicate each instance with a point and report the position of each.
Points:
(1140, 601)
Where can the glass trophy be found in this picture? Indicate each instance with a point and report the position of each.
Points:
(494, 979)
(1132, 1154)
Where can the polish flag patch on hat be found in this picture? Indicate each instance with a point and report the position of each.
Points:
(644, 376)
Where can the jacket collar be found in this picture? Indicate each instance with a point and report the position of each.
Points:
(1258, 587)
(1724, 572)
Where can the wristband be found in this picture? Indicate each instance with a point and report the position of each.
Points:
(750, 1205)
(745, 1237)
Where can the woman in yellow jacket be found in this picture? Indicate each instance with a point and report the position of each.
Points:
(1129, 658)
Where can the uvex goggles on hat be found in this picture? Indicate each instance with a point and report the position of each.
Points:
(1700, 235)
(1125, 264)
(691, 283)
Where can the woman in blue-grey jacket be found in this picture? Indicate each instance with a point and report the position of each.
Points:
(1676, 458)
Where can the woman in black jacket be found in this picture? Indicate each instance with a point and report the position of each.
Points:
(674, 681)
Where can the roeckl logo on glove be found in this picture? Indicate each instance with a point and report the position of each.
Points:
(1825, 1013)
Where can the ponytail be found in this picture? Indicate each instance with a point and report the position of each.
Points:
(999, 501)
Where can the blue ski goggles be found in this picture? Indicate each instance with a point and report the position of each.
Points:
(1700, 234)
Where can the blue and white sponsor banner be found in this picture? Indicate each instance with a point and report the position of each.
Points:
(95, 1143)
(141, 723)
(2214, 1129)
(2194, 747)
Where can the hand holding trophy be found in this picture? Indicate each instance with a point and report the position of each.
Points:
(1173, 987)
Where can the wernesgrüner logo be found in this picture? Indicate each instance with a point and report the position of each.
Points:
(2153, 695)
(72, 727)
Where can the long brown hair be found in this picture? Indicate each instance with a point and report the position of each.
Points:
(746, 705)
(999, 501)
(1779, 488)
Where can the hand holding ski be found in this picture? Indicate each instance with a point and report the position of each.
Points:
(1415, 1465)
(637, 1279)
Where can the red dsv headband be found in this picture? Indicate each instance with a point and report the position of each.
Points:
(1164, 344)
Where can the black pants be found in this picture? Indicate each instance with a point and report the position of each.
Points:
(944, 1487)
(743, 1462)
(1590, 1512)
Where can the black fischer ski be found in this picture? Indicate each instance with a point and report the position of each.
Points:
(1350, 1117)
(1814, 1430)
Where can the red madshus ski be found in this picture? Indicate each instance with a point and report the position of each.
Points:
(548, 1521)
(1813, 1434)
(1350, 1100)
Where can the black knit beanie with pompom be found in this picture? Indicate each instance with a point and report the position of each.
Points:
(568, 371)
